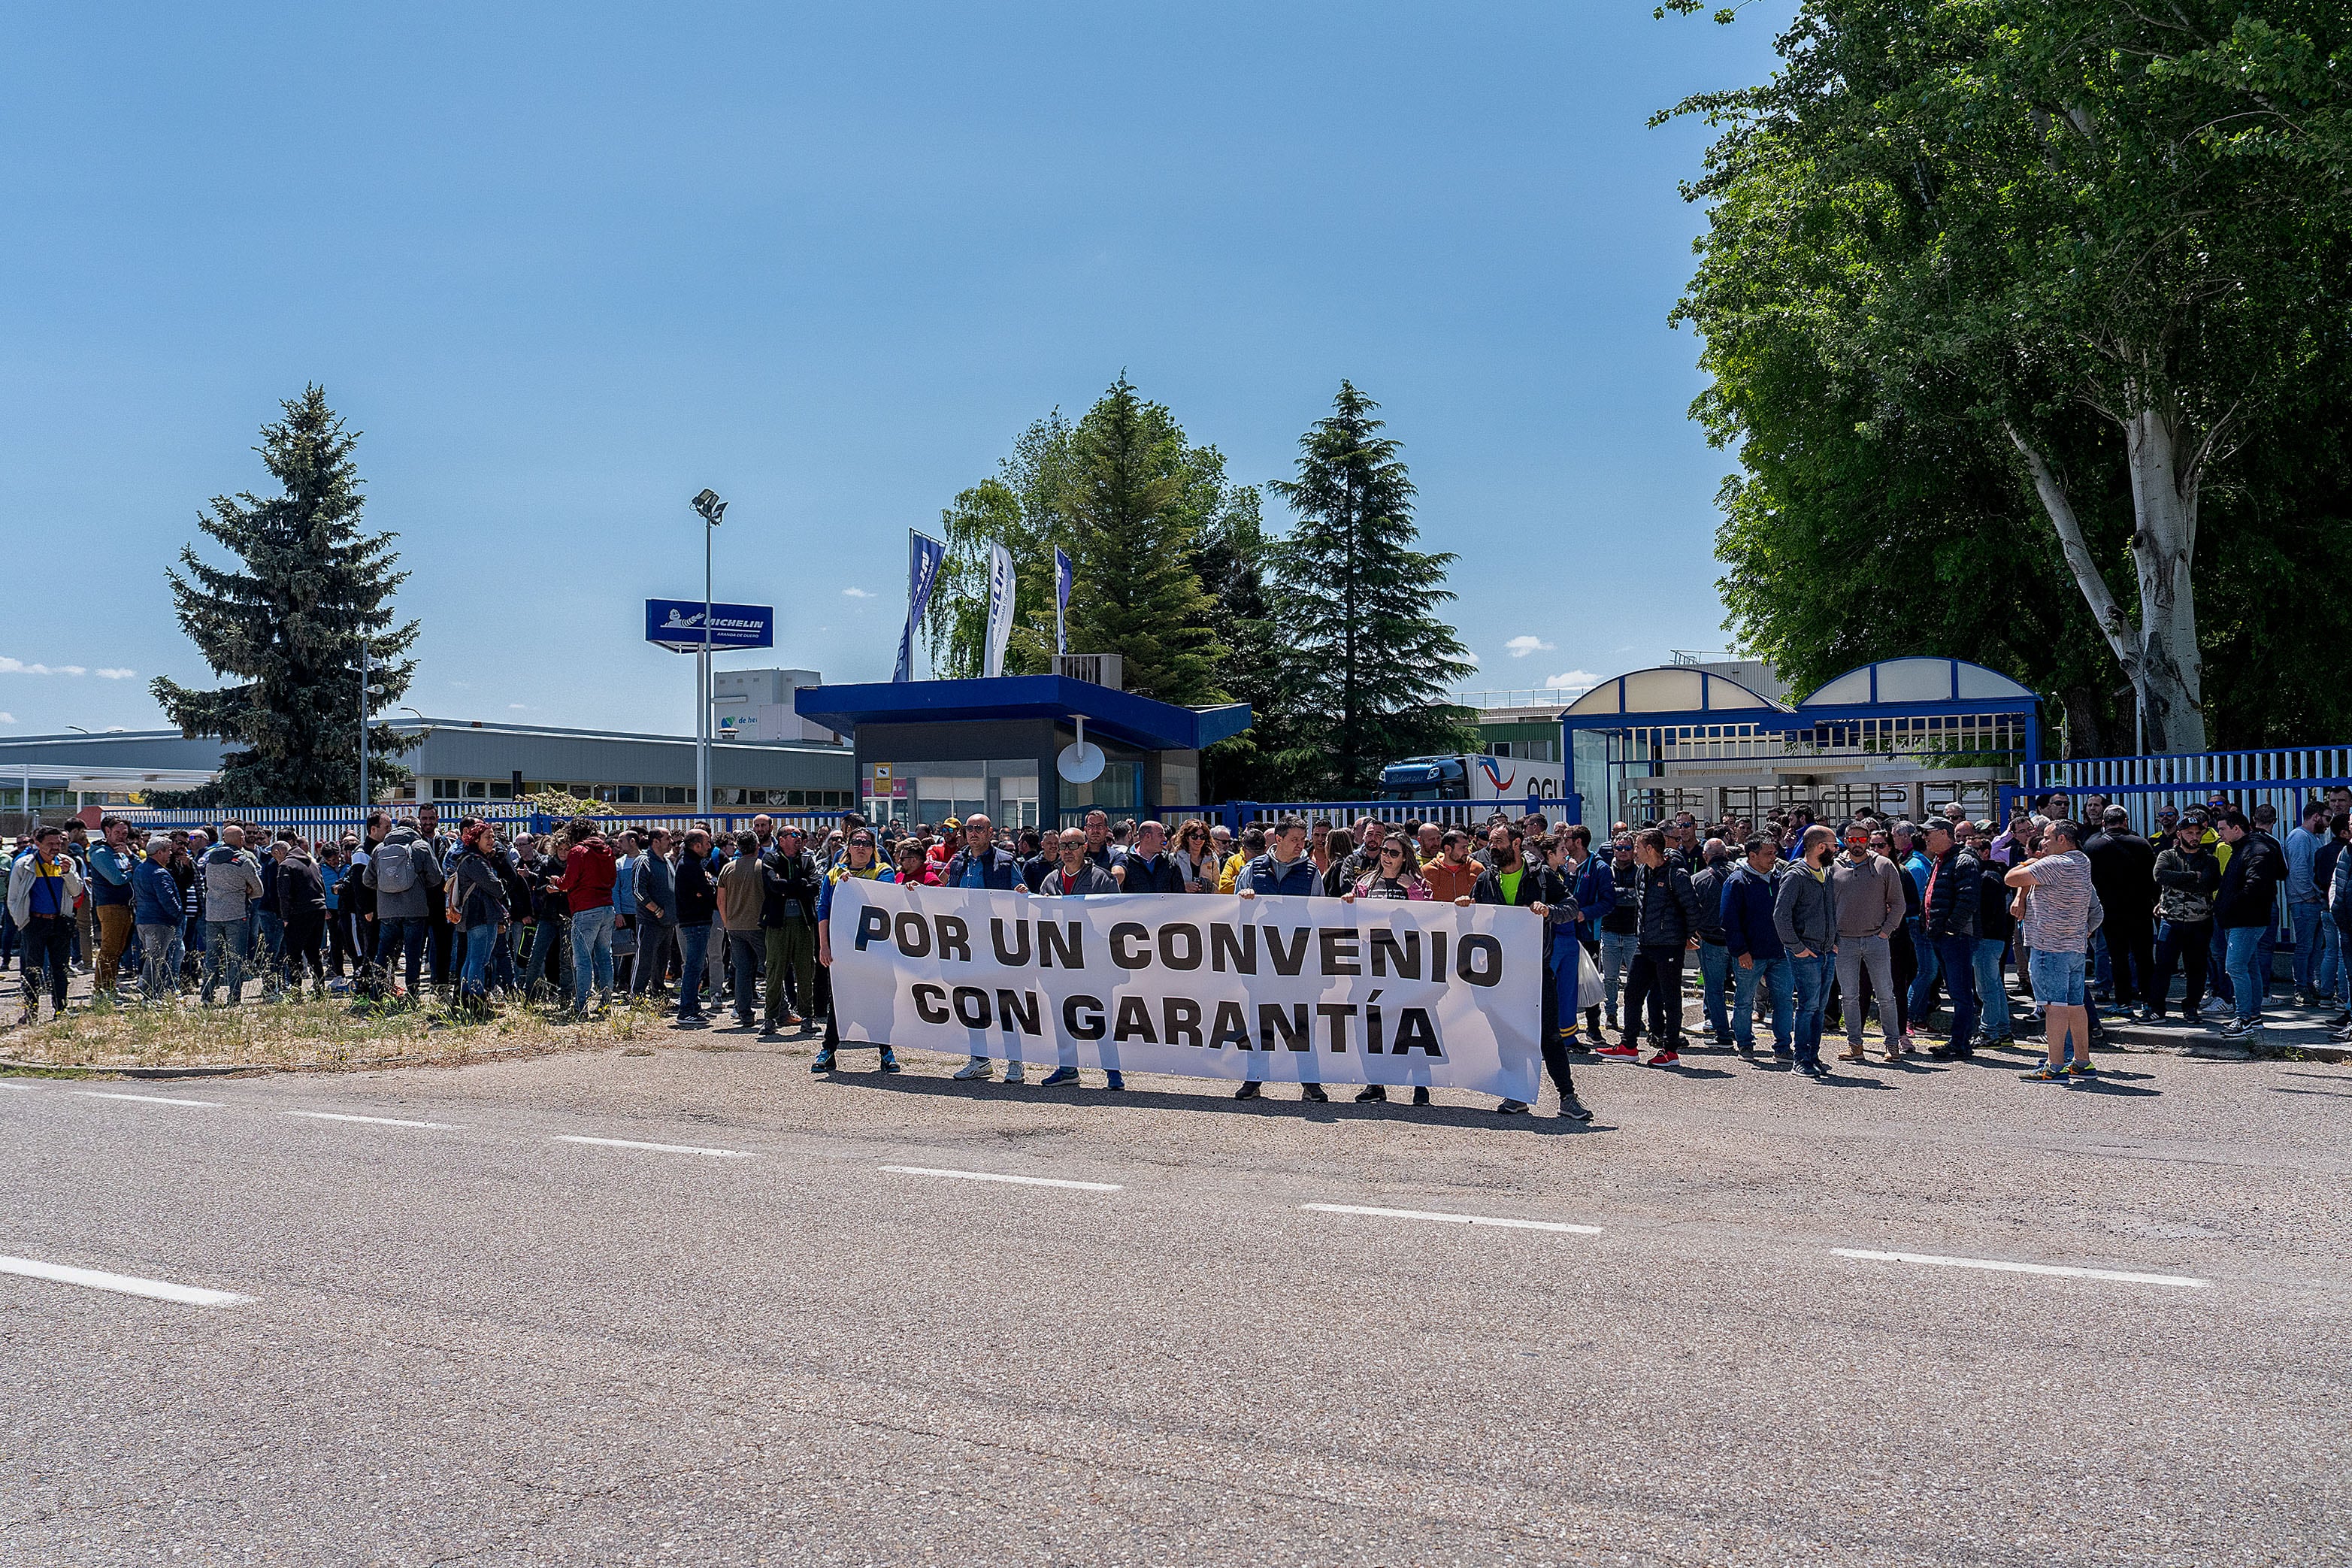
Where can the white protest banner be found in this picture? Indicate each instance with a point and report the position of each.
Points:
(1282, 990)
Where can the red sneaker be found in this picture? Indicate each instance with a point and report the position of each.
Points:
(1626, 1053)
(1665, 1059)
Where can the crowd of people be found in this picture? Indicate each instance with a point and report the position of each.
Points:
(1815, 927)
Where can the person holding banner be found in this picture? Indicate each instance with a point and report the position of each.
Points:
(857, 860)
(1393, 878)
(1284, 870)
(1077, 876)
(1514, 879)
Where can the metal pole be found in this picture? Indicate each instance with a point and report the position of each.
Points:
(364, 730)
(702, 687)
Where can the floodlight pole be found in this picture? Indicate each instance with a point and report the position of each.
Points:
(712, 508)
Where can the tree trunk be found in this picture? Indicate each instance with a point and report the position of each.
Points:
(2164, 546)
(2159, 655)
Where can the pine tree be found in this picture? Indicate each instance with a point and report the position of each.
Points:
(1274, 758)
(1374, 662)
(290, 622)
(1132, 509)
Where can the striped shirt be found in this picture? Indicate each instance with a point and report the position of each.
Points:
(2061, 909)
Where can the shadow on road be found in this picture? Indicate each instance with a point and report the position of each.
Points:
(1339, 1110)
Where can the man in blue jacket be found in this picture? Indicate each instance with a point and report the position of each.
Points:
(156, 910)
(1284, 870)
(1759, 957)
(981, 861)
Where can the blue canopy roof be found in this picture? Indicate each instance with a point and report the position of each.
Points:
(1121, 716)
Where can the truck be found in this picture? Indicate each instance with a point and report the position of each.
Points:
(1472, 775)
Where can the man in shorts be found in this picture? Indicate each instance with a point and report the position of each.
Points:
(2061, 912)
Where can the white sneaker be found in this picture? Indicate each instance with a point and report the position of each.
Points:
(978, 1067)
(1012, 1073)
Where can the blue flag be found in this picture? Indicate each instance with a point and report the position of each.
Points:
(1061, 602)
(924, 554)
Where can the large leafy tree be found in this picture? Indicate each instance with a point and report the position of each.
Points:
(308, 590)
(1275, 758)
(2104, 243)
(1372, 658)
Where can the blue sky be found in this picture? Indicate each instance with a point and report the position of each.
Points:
(565, 267)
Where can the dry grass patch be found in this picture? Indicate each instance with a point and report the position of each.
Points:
(329, 1032)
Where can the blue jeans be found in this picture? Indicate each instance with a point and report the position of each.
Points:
(2245, 951)
(539, 963)
(1992, 997)
(693, 947)
(591, 950)
(2308, 918)
(2218, 969)
(225, 951)
(1715, 972)
(403, 935)
(745, 949)
(1923, 984)
(1809, 990)
(1956, 956)
(1617, 950)
(481, 942)
(1771, 975)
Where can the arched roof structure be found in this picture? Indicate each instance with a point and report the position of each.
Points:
(1892, 682)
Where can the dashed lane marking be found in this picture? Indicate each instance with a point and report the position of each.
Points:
(1456, 1218)
(145, 1099)
(999, 1176)
(2003, 1266)
(655, 1148)
(122, 1284)
(370, 1120)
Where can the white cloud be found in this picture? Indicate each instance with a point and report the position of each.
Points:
(7, 718)
(116, 674)
(1572, 681)
(856, 594)
(1522, 646)
(19, 667)
(1469, 658)
(518, 707)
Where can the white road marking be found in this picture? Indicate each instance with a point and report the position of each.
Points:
(154, 1290)
(2002, 1266)
(998, 1176)
(1457, 1219)
(656, 1148)
(146, 1098)
(370, 1120)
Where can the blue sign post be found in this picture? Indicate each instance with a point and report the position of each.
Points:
(676, 625)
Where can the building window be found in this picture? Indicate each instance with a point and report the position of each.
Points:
(674, 796)
(477, 789)
(445, 789)
(501, 789)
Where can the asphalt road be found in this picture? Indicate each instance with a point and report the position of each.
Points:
(479, 1340)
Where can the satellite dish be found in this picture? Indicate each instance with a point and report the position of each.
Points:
(1081, 762)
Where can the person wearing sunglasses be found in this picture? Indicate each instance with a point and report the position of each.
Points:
(857, 860)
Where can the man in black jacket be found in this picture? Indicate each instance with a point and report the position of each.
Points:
(2123, 873)
(788, 926)
(1669, 929)
(1948, 916)
(1714, 956)
(2243, 910)
(1526, 882)
(1146, 868)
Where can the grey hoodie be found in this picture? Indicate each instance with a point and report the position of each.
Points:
(232, 878)
(416, 901)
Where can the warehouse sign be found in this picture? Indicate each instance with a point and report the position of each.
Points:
(676, 625)
(1204, 986)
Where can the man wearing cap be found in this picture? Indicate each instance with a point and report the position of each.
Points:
(1947, 914)
(2186, 876)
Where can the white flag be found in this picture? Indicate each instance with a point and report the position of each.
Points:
(999, 608)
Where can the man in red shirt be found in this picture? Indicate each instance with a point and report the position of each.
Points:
(587, 888)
